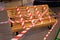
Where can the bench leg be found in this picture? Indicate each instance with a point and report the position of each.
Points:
(17, 33)
(50, 26)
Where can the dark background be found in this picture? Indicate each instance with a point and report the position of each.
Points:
(51, 3)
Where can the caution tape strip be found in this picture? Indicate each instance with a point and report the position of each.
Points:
(30, 15)
(4, 22)
(47, 12)
(21, 18)
(38, 13)
(40, 17)
(46, 36)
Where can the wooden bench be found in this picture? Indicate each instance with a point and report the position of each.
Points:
(12, 13)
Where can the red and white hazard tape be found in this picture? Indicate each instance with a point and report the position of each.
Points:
(4, 22)
(1, 9)
(30, 15)
(46, 36)
(46, 11)
(21, 19)
(39, 15)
